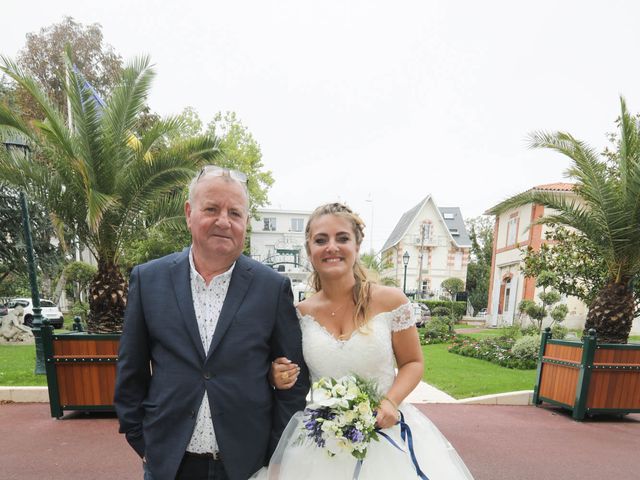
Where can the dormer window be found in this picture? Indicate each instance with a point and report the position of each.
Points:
(455, 232)
(449, 216)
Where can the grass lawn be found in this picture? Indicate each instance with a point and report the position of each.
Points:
(17, 363)
(464, 377)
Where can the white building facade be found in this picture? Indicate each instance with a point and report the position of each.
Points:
(437, 243)
(277, 239)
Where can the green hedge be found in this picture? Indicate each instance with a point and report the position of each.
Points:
(459, 308)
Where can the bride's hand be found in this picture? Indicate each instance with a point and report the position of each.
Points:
(283, 373)
(387, 415)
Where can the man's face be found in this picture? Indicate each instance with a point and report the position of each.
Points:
(217, 218)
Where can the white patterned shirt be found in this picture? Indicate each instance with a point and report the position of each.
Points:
(207, 303)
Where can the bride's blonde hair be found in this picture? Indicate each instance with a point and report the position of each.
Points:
(362, 288)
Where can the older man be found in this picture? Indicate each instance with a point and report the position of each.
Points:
(200, 331)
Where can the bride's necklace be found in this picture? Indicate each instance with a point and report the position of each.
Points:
(337, 310)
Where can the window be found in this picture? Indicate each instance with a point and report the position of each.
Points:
(269, 224)
(512, 231)
(449, 216)
(507, 294)
(457, 261)
(297, 224)
(426, 231)
(454, 232)
(425, 287)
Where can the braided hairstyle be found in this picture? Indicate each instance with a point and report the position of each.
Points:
(362, 288)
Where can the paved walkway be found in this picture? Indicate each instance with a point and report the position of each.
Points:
(496, 442)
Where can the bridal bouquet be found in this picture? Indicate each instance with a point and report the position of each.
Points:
(341, 417)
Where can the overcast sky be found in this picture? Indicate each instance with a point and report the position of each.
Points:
(380, 103)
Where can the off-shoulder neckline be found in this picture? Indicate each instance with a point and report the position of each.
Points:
(302, 316)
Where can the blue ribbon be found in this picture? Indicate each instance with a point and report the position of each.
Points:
(407, 438)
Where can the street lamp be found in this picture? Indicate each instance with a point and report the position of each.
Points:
(36, 325)
(405, 261)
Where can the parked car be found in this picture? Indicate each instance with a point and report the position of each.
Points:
(421, 313)
(4, 310)
(50, 311)
(482, 313)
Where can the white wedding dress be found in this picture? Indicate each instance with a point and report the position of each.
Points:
(368, 354)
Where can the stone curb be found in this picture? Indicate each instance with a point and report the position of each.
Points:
(24, 394)
(523, 397)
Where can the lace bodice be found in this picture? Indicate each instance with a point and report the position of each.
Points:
(367, 353)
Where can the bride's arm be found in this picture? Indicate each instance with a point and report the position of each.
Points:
(408, 353)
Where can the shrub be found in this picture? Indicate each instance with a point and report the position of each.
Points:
(459, 308)
(527, 348)
(440, 312)
(437, 330)
(559, 332)
(80, 309)
(493, 349)
(530, 330)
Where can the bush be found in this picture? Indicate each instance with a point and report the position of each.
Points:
(493, 349)
(437, 330)
(530, 330)
(81, 309)
(526, 349)
(559, 332)
(440, 312)
(459, 308)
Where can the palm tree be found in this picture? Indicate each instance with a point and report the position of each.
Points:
(375, 268)
(100, 183)
(607, 213)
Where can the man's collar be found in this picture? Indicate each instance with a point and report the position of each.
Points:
(196, 274)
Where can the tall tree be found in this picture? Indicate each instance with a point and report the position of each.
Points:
(13, 255)
(242, 152)
(43, 57)
(576, 265)
(479, 268)
(607, 214)
(101, 182)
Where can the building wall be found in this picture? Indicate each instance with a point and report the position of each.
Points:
(507, 259)
(439, 254)
(280, 240)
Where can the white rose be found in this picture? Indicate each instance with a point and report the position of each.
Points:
(364, 408)
(339, 390)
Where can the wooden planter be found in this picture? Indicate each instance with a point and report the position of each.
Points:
(587, 377)
(81, 370)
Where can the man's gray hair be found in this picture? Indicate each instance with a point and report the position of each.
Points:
(201, 175)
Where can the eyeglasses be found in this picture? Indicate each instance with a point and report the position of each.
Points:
(216, 171)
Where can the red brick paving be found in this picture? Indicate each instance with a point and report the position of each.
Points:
(496, 442)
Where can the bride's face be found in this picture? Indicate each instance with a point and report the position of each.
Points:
(332, 245)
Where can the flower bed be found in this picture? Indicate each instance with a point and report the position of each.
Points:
(499, 350)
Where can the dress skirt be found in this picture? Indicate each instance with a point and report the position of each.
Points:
(296, 459)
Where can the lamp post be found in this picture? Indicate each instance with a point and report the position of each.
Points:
(36, 325)
(405, 261)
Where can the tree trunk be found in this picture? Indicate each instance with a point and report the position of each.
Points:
(107, 300)
(611, 313)
(57, 293)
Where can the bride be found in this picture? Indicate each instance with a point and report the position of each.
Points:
(352, 326)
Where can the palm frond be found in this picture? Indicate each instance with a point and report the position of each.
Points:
(53, 117)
